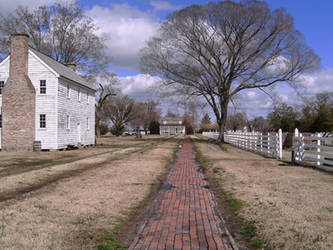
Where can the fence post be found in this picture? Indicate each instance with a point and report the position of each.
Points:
(280, 143)
(268, 144)
(318, 150)
(295, 147)
(302, 147)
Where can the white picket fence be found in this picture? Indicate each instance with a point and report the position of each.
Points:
(315, 151)
(269, 144)
(213, 135)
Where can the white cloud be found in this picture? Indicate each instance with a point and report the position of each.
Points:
(128, 28)
(164, 5)
(139, 86)
(319, 81)
(8, 6)
(252, 95)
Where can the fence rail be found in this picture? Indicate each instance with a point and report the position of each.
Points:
(269, 144)
(315, 151)
(213, 135)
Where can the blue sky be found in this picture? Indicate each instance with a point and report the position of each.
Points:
(130, 24)
(313, 18)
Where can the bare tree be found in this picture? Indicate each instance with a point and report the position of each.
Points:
(61, 31)
(107, 87)
(120, 111)
(145, 113)
(259, 124)
(192, 106)
(219, 49)
(236, 121)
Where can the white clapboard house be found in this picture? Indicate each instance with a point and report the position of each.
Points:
(172, 126)
(43, 102)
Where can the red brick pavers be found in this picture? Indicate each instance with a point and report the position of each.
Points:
(183, 215)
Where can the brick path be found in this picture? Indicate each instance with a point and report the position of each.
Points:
(183, 215)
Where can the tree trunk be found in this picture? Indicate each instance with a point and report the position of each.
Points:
(222, 123)
(97, 128)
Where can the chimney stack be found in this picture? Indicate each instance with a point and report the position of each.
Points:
(72, 66)
(18, 55)
(18, 100)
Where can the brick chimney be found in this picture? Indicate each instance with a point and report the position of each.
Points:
(72, 66)
(18, 55)
(18, 100)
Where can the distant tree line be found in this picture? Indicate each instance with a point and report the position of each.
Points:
(314, 115)
(119, 112)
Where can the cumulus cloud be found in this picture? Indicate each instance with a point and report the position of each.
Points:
(164, 6)
(317, 82)
(128, 28)
(9, 6)
(141, 86)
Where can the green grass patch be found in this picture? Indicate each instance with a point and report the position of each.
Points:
(257, 244)
(235, 204)
(249, 231)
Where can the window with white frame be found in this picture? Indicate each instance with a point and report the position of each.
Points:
(2, 84)
(0, 120)
(68, 122)
(42, 86)
(42, 121)
(87, 123)
(68, 91)
(79, 94)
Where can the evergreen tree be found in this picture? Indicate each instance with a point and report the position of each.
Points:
(205, 120)
(154, 128)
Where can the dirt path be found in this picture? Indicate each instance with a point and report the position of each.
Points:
(183, 215)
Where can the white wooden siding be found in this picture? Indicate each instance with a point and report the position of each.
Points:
(4, 72)
(45, 103)
(78, 112)
(56, 106)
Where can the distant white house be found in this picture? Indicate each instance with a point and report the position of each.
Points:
(172, 126)
(43, 102)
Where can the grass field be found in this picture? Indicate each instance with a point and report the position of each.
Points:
(76, 205)
(280, 206)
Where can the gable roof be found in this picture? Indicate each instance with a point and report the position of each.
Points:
(172, 121)
(61, 69)
(169, 118)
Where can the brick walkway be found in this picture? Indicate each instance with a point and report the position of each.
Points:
(183, 215)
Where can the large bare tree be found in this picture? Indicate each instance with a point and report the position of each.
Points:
(219, 49)
(145, 113)
(107, 87)
(120, 111)
(61, 31)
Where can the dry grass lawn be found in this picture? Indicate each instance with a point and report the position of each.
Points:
(291, 206)
(73, 213)
(15, 162)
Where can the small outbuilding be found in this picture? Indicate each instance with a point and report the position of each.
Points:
(172, 126)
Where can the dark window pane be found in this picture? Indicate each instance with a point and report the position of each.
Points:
(42, 121)
(43, 86)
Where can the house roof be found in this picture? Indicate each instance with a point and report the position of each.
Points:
(210, 126)
(168, 118)
(62, 70)
(172, 121)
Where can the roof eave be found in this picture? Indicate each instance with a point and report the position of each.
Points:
(66, 78)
